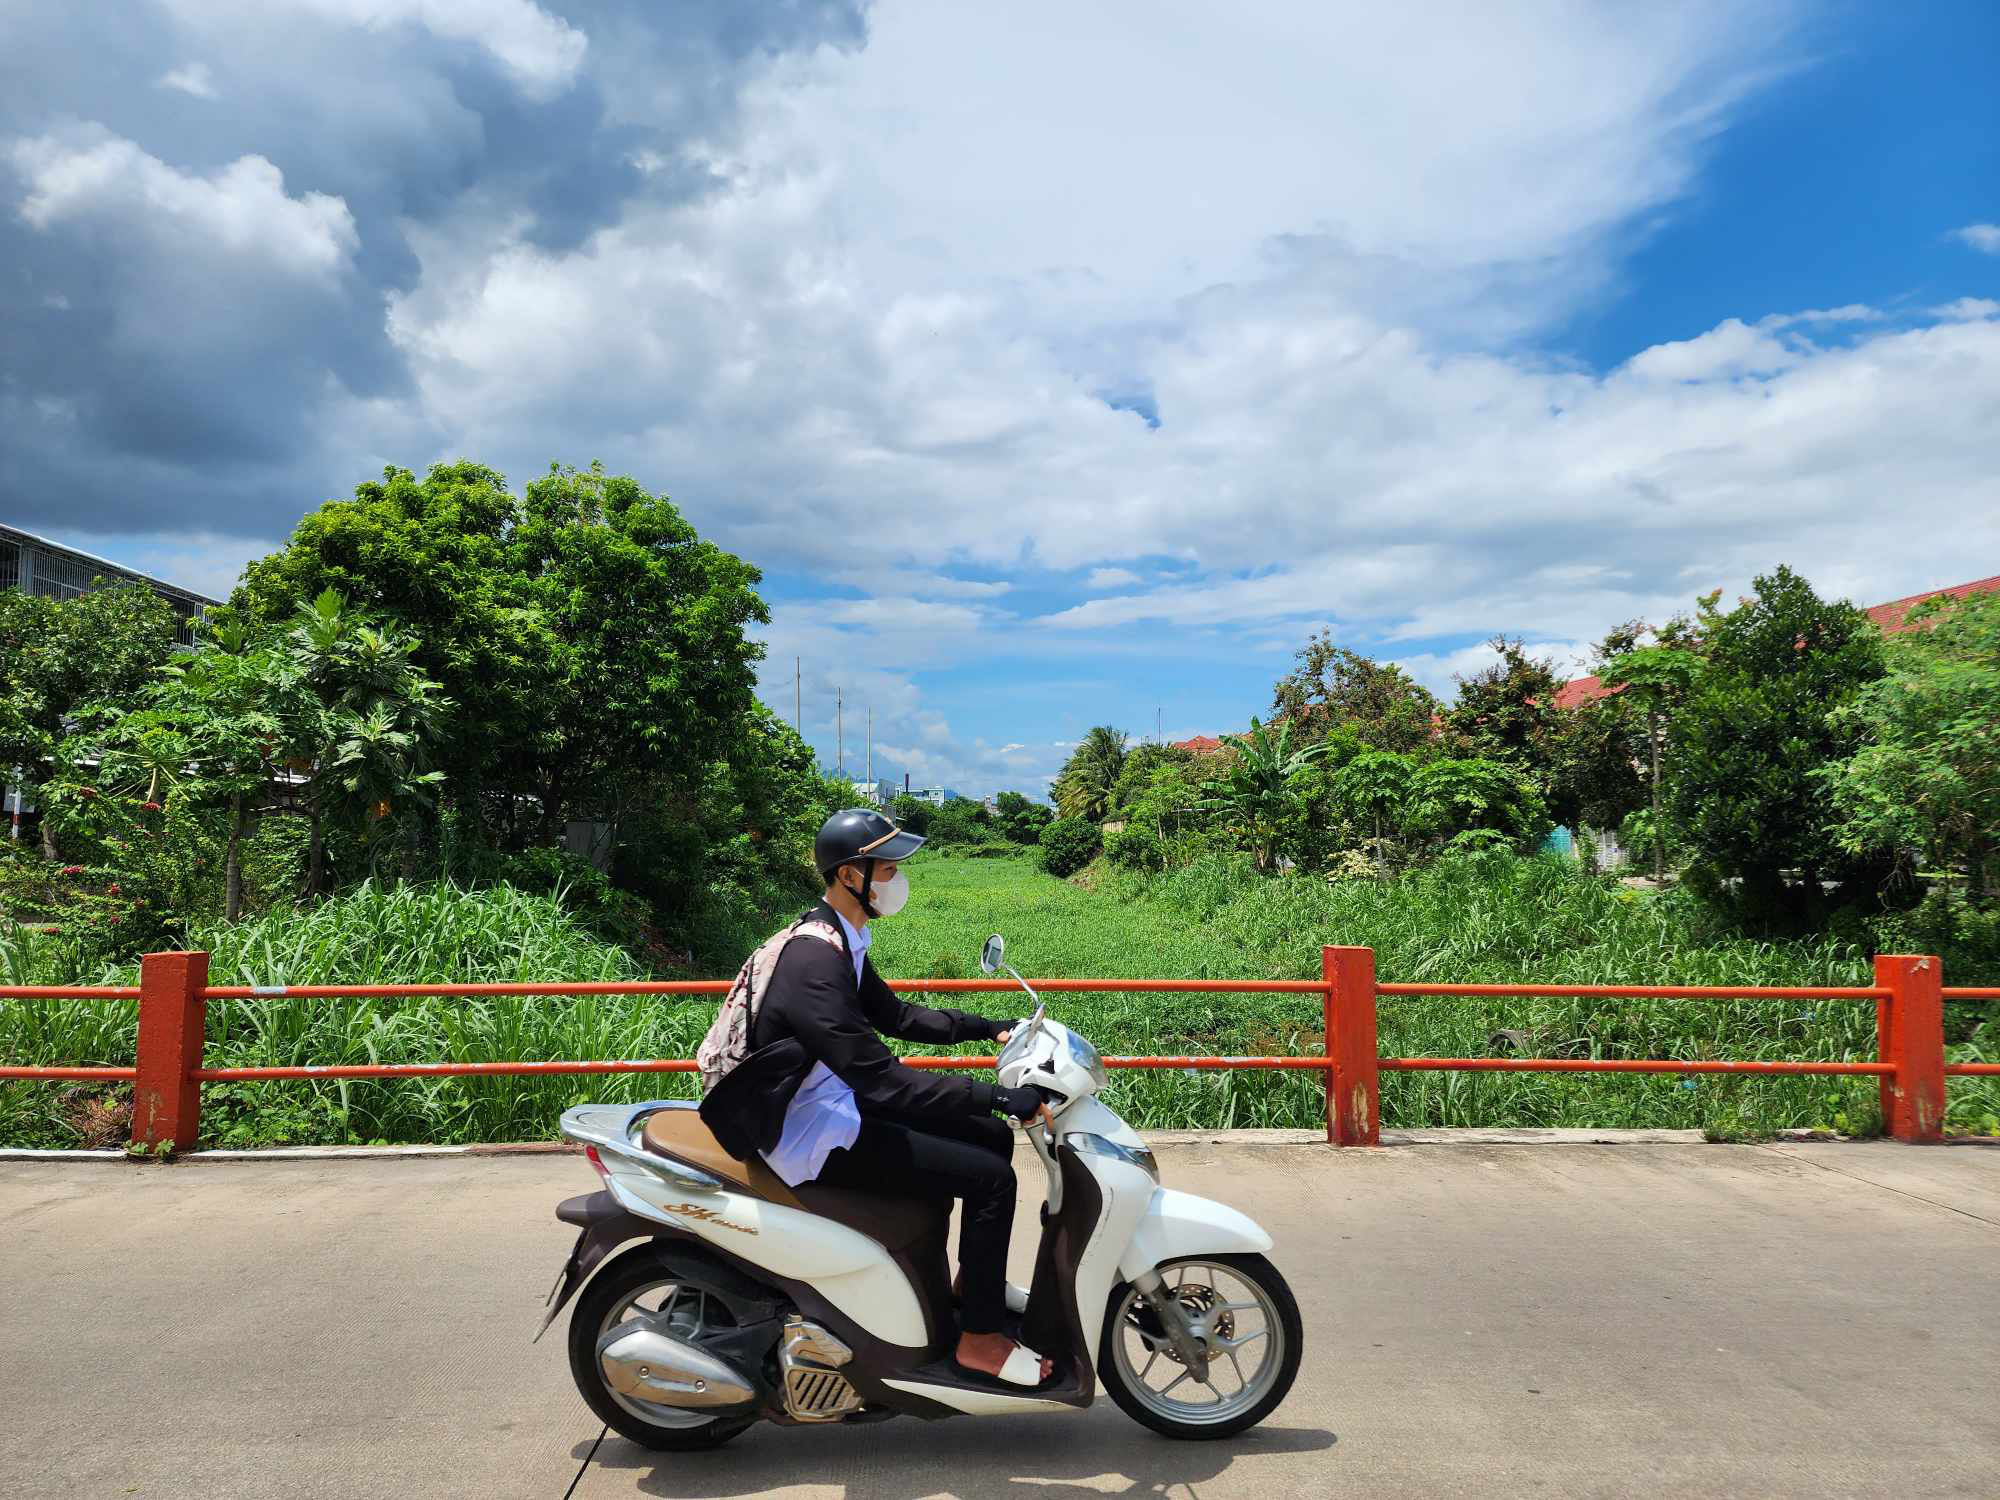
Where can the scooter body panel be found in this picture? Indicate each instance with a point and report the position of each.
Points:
(1177, 1224)
(1126, 1193)
(850, 1270)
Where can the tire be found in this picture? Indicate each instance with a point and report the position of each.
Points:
(1127, 1319)
(613, 1288)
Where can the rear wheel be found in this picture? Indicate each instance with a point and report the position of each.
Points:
(1245, 1316)
(644, 1285)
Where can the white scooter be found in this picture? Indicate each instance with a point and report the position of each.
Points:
(753, 1301)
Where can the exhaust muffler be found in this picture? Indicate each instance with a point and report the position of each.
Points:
(647, 1365)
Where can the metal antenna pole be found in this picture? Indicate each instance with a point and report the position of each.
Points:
(795, 695)
(840, 731)
(871, 747)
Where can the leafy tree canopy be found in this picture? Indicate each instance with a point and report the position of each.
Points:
(1926, 778)
(1761, 719)
(1332, 686)
(57, 657)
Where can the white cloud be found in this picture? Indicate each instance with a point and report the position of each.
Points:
(1852, 312)
(887, 330)
(1110, 578)
(539, 51)
(191, 79)
(1967, 310)
(1728, 351)
(1982, 237)
(916, 584)
(241, 209)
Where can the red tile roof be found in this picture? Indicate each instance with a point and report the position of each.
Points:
(1201, 744)
(1581, 690)
(1890, 616)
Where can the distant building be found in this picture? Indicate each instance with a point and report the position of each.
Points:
(878, 794)
(937, 796)
(1201, 744)
(36, 565)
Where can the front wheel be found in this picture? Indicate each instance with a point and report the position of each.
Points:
(1241, 1309)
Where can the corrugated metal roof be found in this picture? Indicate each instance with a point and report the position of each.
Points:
(111, 569)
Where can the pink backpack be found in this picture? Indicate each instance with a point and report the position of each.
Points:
(728, 1039)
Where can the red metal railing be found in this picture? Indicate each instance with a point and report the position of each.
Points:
(173, 995)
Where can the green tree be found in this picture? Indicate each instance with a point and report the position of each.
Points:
(58, 657)
(1332, 686)
(218, 724)
(328, 714)
(1020, 820)
(364, 731)
(1506, 711)
(1656, 681)
(1588, 766)
(960, 821)
(912, 813)
(1580, 759)
(1449, 798)
(1142, 763)
(1257, 793)
(648, 621)
(1926, 776)
(1373, 789)
(1084, 786)
(1762, 719)
(1068, 844)
(436, 557)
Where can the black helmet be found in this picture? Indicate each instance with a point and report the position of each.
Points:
(860, 835)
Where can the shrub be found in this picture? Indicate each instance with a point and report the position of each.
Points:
(1068, 844)
(1135, 847)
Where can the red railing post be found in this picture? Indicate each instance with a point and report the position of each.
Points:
(1353, 1087)
(173, 1024)
(1909, 1034)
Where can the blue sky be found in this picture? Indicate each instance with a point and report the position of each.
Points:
(1059, 365)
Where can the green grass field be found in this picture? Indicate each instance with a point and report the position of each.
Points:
(1498, 921)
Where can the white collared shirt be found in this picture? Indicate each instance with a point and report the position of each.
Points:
(823, 1117)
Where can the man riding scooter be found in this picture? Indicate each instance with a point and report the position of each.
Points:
(841, 1110)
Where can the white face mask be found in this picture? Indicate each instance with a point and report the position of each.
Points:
(889, 896)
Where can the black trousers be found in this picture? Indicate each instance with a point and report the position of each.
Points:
(971, 1159)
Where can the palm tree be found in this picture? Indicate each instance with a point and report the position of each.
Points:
(1256, 792)
(1083, 790)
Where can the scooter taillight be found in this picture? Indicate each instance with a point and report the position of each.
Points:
(596, 1161)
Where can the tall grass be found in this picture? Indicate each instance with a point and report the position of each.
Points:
(1494, 920)
(371, 935)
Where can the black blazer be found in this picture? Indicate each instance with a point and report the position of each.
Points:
(814, 1011)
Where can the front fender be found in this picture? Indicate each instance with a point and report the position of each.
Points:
(1179, 1224)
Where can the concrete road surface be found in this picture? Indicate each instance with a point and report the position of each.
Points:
(1483, 1320)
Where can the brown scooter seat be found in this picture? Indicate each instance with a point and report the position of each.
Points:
(897, 1222)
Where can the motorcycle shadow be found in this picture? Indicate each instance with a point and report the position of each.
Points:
(1098, 1452)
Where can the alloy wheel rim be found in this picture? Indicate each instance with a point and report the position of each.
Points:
(1237, 1320)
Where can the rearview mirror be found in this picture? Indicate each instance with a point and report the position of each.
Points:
(991, 955)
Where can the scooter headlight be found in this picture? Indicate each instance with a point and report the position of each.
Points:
(1085, 1057)
(1097, 1145)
